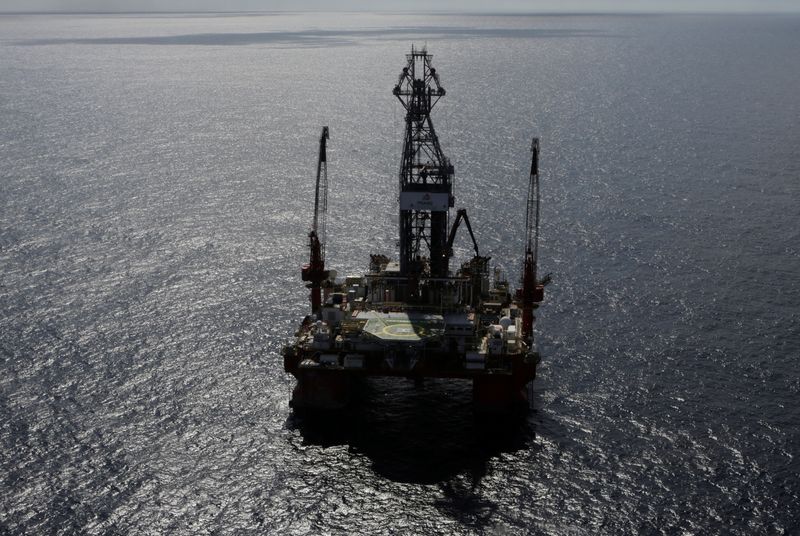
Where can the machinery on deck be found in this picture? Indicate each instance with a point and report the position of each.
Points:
(415, 317)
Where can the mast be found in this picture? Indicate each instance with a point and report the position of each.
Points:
(426, 175)
(531, 291)
(315, 271)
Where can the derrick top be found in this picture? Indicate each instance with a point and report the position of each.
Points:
(418, 80)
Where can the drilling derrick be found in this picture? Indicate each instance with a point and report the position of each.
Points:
(426, 175)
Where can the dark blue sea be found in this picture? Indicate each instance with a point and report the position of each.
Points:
(156, 181)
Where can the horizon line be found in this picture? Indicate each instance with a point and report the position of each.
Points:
(411, 12)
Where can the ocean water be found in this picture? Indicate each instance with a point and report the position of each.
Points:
(156, 175)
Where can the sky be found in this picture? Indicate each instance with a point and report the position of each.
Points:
(495, 6)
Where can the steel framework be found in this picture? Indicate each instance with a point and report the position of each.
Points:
(426, 175)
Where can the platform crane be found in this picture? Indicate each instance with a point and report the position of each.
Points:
(532, 291)
(314, 272)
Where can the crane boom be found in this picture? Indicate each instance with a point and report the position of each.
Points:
(321, 202)
(314, 272)
(532, 212)
(532, 291)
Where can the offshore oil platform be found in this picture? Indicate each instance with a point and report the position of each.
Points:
(412, 317)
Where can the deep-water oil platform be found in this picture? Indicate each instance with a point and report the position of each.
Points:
(413, 317)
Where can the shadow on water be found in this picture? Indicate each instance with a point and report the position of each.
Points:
(312, 38)
(423, 434)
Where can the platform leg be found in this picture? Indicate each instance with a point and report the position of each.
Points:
(321, 389)
(497, 394)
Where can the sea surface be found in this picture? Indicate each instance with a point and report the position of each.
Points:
(156, 180)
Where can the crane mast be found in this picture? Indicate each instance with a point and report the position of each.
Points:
(314, 272)
(532, 291)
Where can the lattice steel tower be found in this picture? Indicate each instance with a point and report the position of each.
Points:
(426, 175)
